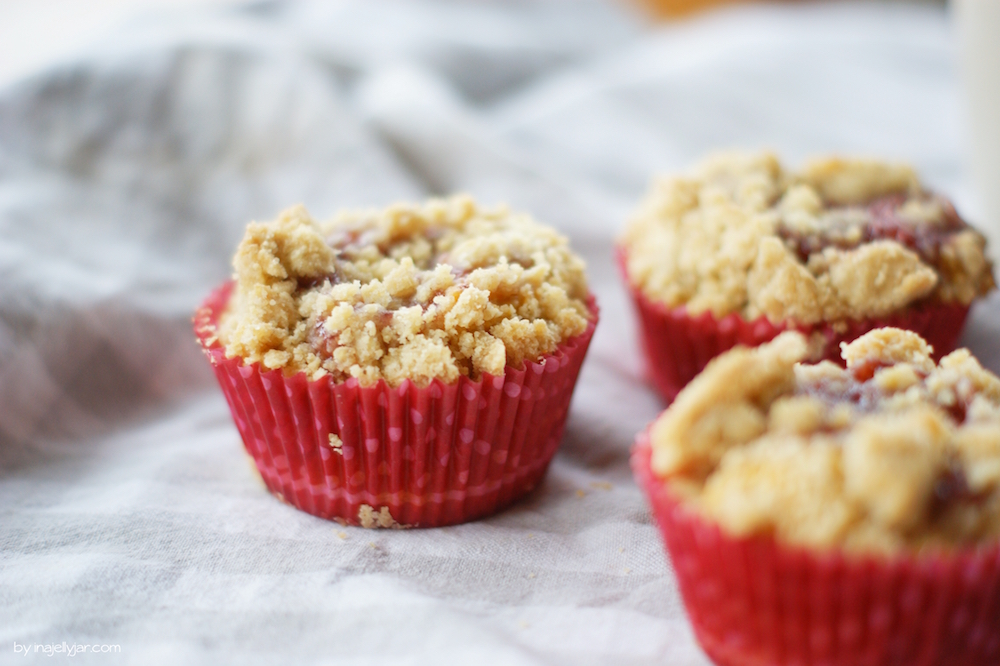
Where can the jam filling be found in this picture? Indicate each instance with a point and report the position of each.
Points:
(347, 242)
(325, 343)
(958, 410)
(866, 370)
(952, 488)
(882, 221)
(855, 388)
(306, 283)
(322, 342)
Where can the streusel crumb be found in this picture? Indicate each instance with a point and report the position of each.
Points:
(414, 292)
(842, 239)
(892, 452)
(372, 519)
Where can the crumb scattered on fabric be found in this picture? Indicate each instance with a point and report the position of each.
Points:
(369, 517)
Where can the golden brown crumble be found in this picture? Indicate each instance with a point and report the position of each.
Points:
(415, 292)
(371, 519)
(892, 452)
(842, 239)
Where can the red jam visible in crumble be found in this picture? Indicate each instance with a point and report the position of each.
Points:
(892, 452)
(414, 292)
(842, 239)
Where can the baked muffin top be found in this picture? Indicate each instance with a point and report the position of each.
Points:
(894, 452)
(415, 291)
(841, 239)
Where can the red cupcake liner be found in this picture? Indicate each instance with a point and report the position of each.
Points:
(753, 601)
(438, 455)
(677, 346)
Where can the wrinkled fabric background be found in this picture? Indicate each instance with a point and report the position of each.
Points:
(128, 512)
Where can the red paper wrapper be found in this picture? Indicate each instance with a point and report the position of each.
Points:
(678, 346)
(753, 601)
(404, 456)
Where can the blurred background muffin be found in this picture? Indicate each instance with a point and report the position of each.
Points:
(740, 248)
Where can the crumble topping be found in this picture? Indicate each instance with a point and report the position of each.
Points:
(371, 518)
(842, 239)
(413, 292)
(892, 452)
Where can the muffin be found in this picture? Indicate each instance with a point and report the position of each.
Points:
(405, 367)
(822, 515)
(741, 249)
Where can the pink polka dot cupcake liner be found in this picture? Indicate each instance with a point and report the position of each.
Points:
(407, 456)
(677, 346)
(754, 601)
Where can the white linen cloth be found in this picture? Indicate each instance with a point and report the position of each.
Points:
(128, 512)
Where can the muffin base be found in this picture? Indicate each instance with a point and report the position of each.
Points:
(753, 601)
(407, 456)
(677, 346)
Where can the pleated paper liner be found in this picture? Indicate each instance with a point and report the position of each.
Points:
(678, 346)
(407, 456)
(753, 601)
